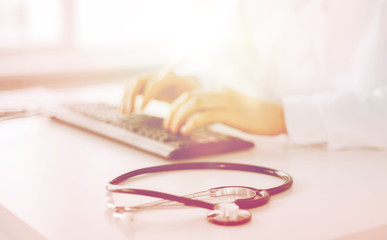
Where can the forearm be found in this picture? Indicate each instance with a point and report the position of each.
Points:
(259, 117)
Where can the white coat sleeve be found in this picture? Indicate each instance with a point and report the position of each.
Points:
(354, 115)
(341, 120)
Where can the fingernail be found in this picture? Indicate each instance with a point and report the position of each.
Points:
(128, 107)
(165, 122)
(173, 128)
(184, 130)
(125, 108)
(120, 108)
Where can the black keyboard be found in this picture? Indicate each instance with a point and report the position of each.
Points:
(146, 132)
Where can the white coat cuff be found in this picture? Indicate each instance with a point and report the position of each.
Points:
(304, 121)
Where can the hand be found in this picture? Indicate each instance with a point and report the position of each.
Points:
(164, 85)
(197, 108)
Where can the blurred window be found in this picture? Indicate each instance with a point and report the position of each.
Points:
(33, 24)
(41, 37)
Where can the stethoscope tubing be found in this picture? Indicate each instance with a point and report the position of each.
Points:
(162, 195)
(263, 195)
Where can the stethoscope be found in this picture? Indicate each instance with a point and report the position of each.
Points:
(223, 213)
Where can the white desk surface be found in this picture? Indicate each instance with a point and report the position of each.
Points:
(53, 178)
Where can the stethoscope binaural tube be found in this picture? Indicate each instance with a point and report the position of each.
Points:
(222, 214)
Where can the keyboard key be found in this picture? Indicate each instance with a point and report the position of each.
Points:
(139, 127)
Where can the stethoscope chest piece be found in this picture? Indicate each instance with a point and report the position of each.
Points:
(228, 214)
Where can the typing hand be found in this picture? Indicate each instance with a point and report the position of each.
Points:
(163, 85)
(197, 108)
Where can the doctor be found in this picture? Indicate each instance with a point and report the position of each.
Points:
(315, 70)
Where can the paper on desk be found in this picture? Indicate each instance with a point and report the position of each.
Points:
(37, 100)
(23, 102)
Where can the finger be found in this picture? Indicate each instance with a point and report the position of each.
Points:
(182, 113)
(201, 119)
(181, 100)
(151, 91)
(133, 89)
(197, 103)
